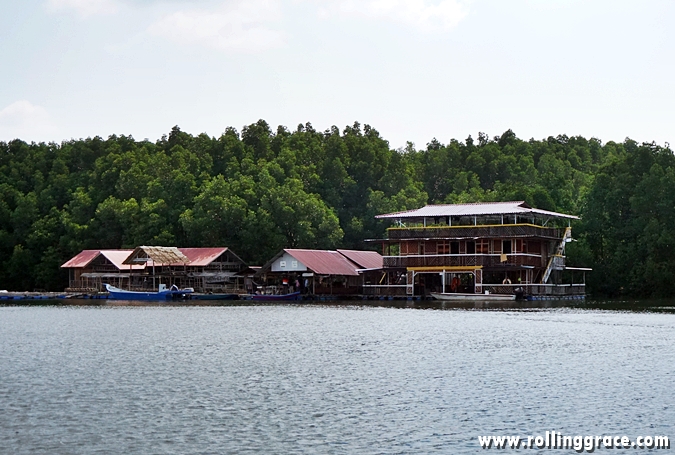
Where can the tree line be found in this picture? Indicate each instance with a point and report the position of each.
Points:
(260, 190)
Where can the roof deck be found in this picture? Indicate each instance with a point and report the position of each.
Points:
(487, 211)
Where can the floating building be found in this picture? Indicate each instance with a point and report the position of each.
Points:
(317, 272)
(144, 268)
(497, 248)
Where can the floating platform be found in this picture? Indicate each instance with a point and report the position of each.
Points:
(31, 295)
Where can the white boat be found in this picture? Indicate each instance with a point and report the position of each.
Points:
(458, 296)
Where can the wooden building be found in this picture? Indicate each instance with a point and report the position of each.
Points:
(499, 247)
(88, 270)
(316, 272)
(144, 268)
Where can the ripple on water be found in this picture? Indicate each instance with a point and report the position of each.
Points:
(305, 379)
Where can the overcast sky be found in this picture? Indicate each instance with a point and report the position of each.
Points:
(412, 69)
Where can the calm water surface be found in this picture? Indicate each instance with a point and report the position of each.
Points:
(326, 379)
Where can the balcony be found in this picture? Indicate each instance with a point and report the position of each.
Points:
(464, 260)
(491, 231)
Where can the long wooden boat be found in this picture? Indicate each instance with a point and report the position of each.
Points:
(291, 296)
(457, 296)
(172, 293)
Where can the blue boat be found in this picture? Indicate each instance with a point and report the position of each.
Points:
(164, 293)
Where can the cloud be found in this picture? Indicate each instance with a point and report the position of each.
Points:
(84, 8)
(26, 121)
(424, 14)
(240, 26)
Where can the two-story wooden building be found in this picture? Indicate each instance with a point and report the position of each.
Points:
(497, 247)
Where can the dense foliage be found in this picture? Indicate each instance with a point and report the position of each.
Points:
(260, 191)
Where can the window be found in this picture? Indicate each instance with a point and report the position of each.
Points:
(482, 246)
(470, 247)
(454, 247)
(506, 247)
(443, 247)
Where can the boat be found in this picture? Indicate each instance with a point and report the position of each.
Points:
(164, 293)
(214, 296)
(458, 296)
(291, 296)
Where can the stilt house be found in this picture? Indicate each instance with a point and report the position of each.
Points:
(484, 247)
(144, 268)
(317, 272)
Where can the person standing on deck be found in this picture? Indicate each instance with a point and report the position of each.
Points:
(454, 285)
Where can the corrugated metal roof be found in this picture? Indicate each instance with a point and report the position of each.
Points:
(475, 209)
(160, 255)
(196, 257)
(116, 257)
(364, 259)
(324, 262)
(82, 259)
(201, 257)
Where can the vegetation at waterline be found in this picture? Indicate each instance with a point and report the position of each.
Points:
(262, 190)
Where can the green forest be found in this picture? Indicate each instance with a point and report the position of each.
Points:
(260, 190)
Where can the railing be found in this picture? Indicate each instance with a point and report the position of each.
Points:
(537, 289)
(387, 289)
(492, 231)
(463, 260)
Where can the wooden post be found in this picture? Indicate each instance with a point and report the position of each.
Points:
(443, 281)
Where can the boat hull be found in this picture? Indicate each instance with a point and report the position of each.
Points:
(214, 297)
(460, 297)
(121, 294)
(291, 296)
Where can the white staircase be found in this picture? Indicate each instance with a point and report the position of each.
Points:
(556, 257)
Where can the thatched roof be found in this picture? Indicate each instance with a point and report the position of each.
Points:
(159, 255)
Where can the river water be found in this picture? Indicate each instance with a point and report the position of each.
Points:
(338, 379)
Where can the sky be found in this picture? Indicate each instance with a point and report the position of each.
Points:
(412, 69)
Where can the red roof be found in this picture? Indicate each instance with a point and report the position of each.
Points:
(201, 257)
(82, 259)
(364, 259)
(116, 257)
(324, 262)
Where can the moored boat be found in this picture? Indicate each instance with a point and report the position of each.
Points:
(214, 297)
(164, 293)
(458, 296)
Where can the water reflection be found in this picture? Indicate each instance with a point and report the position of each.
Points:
(643, 305)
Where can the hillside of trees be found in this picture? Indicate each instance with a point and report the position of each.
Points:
(262, 190)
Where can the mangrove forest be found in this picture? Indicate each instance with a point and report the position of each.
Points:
(259, 190)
